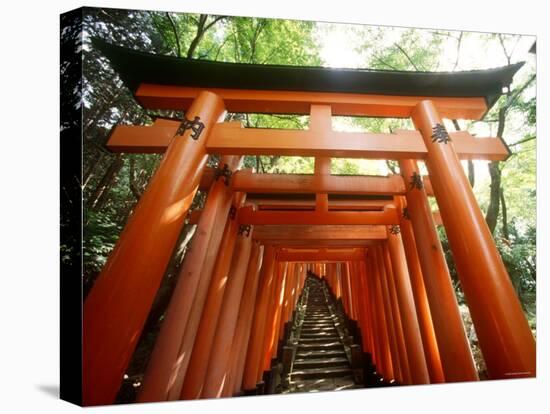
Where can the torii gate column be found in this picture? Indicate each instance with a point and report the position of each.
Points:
(117, 306)
(506, 341)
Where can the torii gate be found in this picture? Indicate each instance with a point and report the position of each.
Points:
(264, 230)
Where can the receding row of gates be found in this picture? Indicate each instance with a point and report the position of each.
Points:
(373, 239)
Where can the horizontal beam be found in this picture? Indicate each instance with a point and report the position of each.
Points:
(289, 204)
(323, 254)
(316, 234)
(229, 139)
(154, 96)
(143, 139)
(247, 215)
(248, 182)
(322, 243)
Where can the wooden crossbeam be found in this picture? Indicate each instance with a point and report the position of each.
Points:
(230, 139)
(154, 96)
(227, 139)
(249, 182)
(143, 139)
(320, 255)
(195, 215)
(247, 215)
(300, 234)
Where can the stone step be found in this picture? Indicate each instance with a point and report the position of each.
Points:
(330, 353)
(318, 340)
(304, 363)
(321, 373)
(318, 319)
(316, 333)
(327, 384)
(333, 345)
(319, 322)
(311, 325)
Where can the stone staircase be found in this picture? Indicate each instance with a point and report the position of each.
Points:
(320, 349)
(320, 361)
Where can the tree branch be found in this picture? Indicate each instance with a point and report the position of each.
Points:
(407, 56)
(213, 22)
(523, 141)
(175, 33)
(501, 40)
(378, 59)
(458, 50)
(519, 91)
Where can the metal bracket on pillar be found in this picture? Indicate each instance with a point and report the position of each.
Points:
(416, 181)
(395, 229)
(244, 230)
(224, 172)
(440, 134)
(196, 126)
(406, 214)
(233, 212)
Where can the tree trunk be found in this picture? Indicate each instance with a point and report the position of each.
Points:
(132, 180)
(471, 169)
(491, 216)
(471, 173)
(97, 198)
(505, 231)
(90, 172)
(198, 36)
(494, 171)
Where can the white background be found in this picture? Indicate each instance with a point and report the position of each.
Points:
(29, 207)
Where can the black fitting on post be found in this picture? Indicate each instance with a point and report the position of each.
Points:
(416, 181)
(224, 172)
(244, 230)
(395, 229)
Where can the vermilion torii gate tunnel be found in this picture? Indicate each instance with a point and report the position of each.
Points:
(292, 276)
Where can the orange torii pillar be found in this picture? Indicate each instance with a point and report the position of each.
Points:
(195, 369)
(286, 305)
(162, 379)
(355, 294)
(399, 359)
(340, 273)
(190, 334)
(347, 280)
(334, 280)
(289, 297)
(431, 351)
(301, 283)
(365, 324)
(244, 323)
(270, 338)
(454, 349)
(118, 304)
(354, 291)
(368, 342)
(411, 330)
(337, 282)
(387, 271)
(254, 352)
(374, 313)
(382, 323)
(220, 354)
(504, 335)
